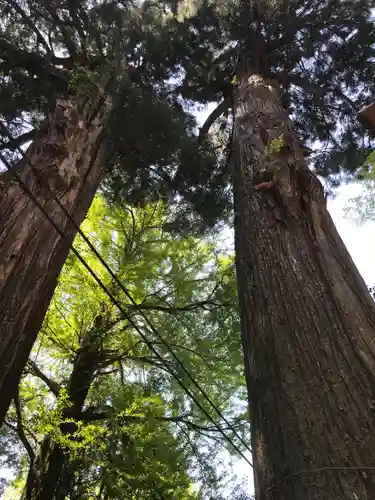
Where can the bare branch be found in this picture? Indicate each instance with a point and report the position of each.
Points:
(53, 386)
(216, 113)
(20, 430)
(19, 141)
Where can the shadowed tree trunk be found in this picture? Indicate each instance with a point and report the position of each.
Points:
(48, 476)
(67, 156)
(307, 317)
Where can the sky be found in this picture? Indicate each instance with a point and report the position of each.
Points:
(359, 239)
(360, 242)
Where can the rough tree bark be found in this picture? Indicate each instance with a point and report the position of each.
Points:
(67, 156)
(48, 476)
(308, 320)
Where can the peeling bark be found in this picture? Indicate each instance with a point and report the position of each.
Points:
(308, 320)
(67, 156)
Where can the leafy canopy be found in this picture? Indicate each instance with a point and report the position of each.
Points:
(321, 52)
(76, 49)
(137, 431)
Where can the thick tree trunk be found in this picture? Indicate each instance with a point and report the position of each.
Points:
(66, 156)
(48, 477)
(308, 320)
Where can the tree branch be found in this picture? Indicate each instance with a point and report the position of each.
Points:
(70, 45)
(53, 386)
(73, 8)
(202, 356)
(94, 414)
(216, 113)
(40, 38)
(136, 359)
(20, 430)
(300, 81)
(19, 141)
(31, 62)
(176, 309)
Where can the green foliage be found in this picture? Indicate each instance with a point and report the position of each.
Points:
(72, 49)
(150, 436)
(48, 421)
(10, 454)
(82, 82)
(275, 145)
(322, 54)
(166, 58)
(361, 208)
(367, 170)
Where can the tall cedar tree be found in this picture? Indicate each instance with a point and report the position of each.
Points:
(77, 81)
(308, 320)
